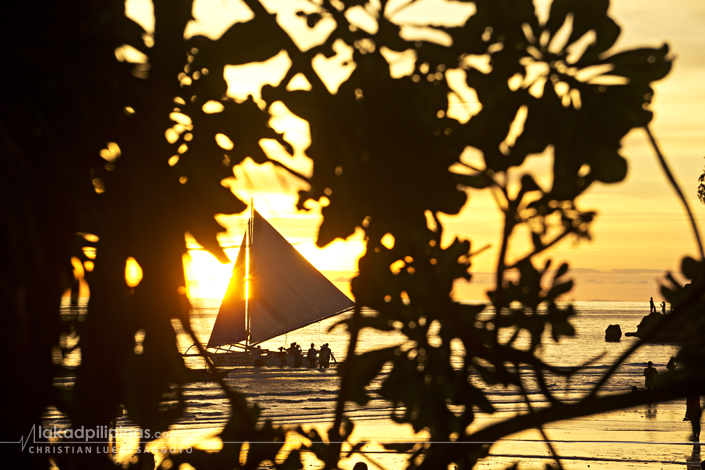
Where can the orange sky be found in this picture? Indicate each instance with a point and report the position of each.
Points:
(641, 231)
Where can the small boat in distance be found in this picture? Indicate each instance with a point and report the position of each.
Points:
(273, 290)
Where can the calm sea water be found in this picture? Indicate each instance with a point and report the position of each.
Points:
(291, 396)
(302, 395)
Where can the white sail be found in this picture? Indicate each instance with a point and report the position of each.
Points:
(229, 327)
(285, 291)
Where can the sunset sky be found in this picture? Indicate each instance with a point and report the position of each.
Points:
(641, 230)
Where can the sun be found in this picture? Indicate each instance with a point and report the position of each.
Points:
(207, 278)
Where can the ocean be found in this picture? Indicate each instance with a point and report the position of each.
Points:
(621, 439)
(301, 395)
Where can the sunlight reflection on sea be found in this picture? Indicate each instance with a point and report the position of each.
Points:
(302, 396)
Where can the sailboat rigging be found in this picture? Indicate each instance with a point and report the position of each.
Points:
(273, 290)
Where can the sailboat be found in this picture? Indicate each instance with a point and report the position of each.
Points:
(273, 290)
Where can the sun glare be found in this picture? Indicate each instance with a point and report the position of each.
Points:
(208, 278)
(133, 272)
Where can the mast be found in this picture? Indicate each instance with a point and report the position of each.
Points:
(248, 272)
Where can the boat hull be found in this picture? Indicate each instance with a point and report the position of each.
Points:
(257, 359)
(237, 358)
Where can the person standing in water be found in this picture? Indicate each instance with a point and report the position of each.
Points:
(650, 374)
(324, 357)
(693, 412)
(671, 366)
(330, 353)
(311, 356)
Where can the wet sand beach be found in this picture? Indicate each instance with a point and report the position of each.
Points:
(649, 437)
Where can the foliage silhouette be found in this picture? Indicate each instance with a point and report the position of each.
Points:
(701, 187)
(83, 142)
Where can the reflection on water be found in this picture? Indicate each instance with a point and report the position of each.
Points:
(305, 396)
(693, 462)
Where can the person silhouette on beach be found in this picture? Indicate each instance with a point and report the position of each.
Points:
(663, 308)
(671, 366)
(298, 356)
(311, 356)
(282, 356)
(650, 374)
(324, 357)
(653, 307)
(693, 412)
